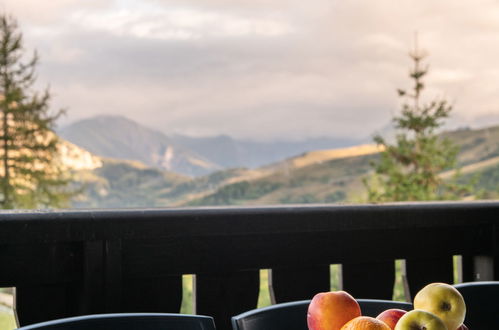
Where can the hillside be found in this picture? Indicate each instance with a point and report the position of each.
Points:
(330, 181)
(321, 176)
(125, 184)
(336, 175)
(476, 145)
(488, 181)
(119, 183)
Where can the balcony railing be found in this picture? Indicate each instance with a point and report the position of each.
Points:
(66, 263)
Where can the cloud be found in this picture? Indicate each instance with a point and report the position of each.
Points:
(31, 12)
(261, 68)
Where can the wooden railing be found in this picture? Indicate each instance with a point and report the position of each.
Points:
(66, 263)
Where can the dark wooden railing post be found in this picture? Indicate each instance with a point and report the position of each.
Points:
(44, 290)
(422, 271)
(92, 288)
(113, 282)
(223, 295)
(468, 268)
(495, 254)
(373, 280)
(298, 283)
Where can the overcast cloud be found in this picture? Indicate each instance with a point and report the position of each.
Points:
(261, 69)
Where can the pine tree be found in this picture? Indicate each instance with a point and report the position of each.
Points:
(30, 175)
(410, 168)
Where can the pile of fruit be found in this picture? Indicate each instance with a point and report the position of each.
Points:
(438, 306)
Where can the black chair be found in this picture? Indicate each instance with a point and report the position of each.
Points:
(128, 321)
(293, 315)
(482, 304)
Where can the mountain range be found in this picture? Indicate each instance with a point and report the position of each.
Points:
(121, 138)
(330, 175)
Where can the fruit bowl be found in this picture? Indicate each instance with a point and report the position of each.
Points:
(438, 306)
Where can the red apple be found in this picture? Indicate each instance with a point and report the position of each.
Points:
(391, 316)
(331, 310)
(462, 327)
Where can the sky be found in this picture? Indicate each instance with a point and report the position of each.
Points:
(261, 69)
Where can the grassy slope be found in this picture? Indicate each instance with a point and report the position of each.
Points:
(312, 178)
(476, 145)
(121, 183)
(322, 176)
(487, 184)
(126, 184)
(199, 187)
(329, 181)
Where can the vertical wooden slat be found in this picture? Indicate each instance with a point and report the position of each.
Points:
(160, 295)
(50, 298)
(291, 284)
(113, 279)
(495, 252)
(42, 303)
(421, 272)
(468, 268)
(224, 295)
(369, 280)
(92, 288)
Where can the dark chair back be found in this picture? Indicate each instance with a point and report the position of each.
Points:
(289, 316)
(293, 315)
(482, 304)
(129, 321)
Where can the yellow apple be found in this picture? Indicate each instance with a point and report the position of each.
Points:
(419, 319)
(444, 301)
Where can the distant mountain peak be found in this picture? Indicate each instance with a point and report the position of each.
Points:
(114, 120)
(116, 136)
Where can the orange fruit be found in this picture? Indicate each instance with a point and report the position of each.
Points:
(365, 323)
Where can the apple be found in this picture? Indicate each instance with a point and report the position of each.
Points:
(331, 310)
(391, 316)
(419, 319)
(462, 327)
(444, 301)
